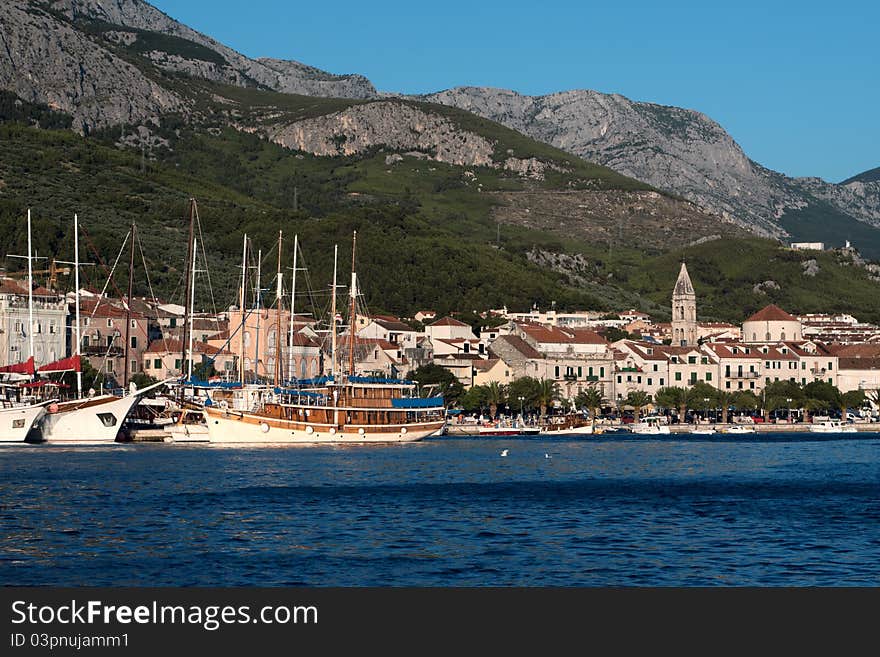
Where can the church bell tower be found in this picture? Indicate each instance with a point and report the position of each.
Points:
(684, 311)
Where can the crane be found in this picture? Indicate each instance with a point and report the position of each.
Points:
(53, 272)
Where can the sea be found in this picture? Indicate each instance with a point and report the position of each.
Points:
(764, 510)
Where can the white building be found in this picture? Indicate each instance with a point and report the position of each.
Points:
(49, 324)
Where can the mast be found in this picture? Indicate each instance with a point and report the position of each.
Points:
(242, 301)
(128, 308)
(76, 296)
(30, 289)
(290, 372)
(192, 302)
(351, 316)
(333, 316)
(278, 294)
(257, 304)
(189, 267)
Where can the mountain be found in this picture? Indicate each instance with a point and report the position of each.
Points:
(684, 152)
(870, 176)
(160, 113)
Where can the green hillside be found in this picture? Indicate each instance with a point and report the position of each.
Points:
(425, 233)
(871, 175)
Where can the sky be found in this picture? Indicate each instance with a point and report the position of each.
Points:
(796, 84)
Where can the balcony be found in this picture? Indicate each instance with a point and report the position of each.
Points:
(742, 375)
(569, 377)
(629, 369)
(100, 350)
(591, 377)
(817, 371)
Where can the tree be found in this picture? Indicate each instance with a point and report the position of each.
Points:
(474, 399)
(527, 388)
(746, 399)
(702, 396)
(432, 375)
(851, 399)
(724, 399)
(781, 394)
(674, 397)
(496, 394)
(638, 399)
(592, 398)
(548, 392)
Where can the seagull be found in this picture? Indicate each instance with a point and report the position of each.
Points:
(504, 452)
(547, 456)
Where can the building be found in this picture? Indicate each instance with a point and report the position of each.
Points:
(808, 246)
(163, 359)
(49, 324)
(772, 324)
(449, 328)
(103, 331)
(684, 311)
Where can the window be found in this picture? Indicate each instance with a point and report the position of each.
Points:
(107, 419)
(692, 360)
(650, 382)
(52, 327)
(638, 379)
(109, 340)
(704, 360)
(110, 366)
(85, 321)
(602, 371)
(109, 323)
(661, 381)
(752, 385)
(39, 328)
(157, 363)
(678, 376)
(172, 323)
(727, 384)
(619, 380)
(134, 366)
(580, 372)
(85, 343)
(803, 365)
(655, 367)
(556, 371)
(589, 371)
(708, 376)
(18, 326)
(693, 378)
(177, 363)
(134, 323)
(134, 342)
(830, 366)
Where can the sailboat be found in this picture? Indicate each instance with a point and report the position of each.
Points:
(341, 408)
(90, 419)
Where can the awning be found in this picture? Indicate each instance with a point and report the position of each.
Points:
(26, 367)
(43, 384)
(71, 364)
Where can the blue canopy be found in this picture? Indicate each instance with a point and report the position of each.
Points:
(375, 379)
(417, 402)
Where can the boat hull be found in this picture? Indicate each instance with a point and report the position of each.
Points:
(237, 427)
(90, 421)
(17, 422)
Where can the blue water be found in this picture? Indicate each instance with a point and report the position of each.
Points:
(772, 510)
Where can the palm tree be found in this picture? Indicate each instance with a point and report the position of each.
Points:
(851, 399)
(638, 399)
(592, 398)
(674, 397)
(725, 400)
(496, 394)
(548, 392)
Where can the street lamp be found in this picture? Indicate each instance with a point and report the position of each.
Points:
(788, 399)
(521, 399)
(706, 401)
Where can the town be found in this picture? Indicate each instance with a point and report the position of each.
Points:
(624, 356)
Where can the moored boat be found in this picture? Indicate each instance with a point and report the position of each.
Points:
(832, 426)
(739, 429)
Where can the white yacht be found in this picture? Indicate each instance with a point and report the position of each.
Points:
(832, 426)
(651, 424)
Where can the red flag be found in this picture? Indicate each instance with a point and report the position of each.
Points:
(26, 367)
(71, 364)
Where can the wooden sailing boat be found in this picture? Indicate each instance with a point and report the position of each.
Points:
(341, 408)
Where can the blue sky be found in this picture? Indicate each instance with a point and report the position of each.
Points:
(796, 84)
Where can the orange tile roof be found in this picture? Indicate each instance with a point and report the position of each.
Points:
(772, 313)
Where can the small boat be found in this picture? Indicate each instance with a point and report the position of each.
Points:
(20, 423)
(498, 429)
(650, 425)
(739, 429)
(704, 431)
(832, 426)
